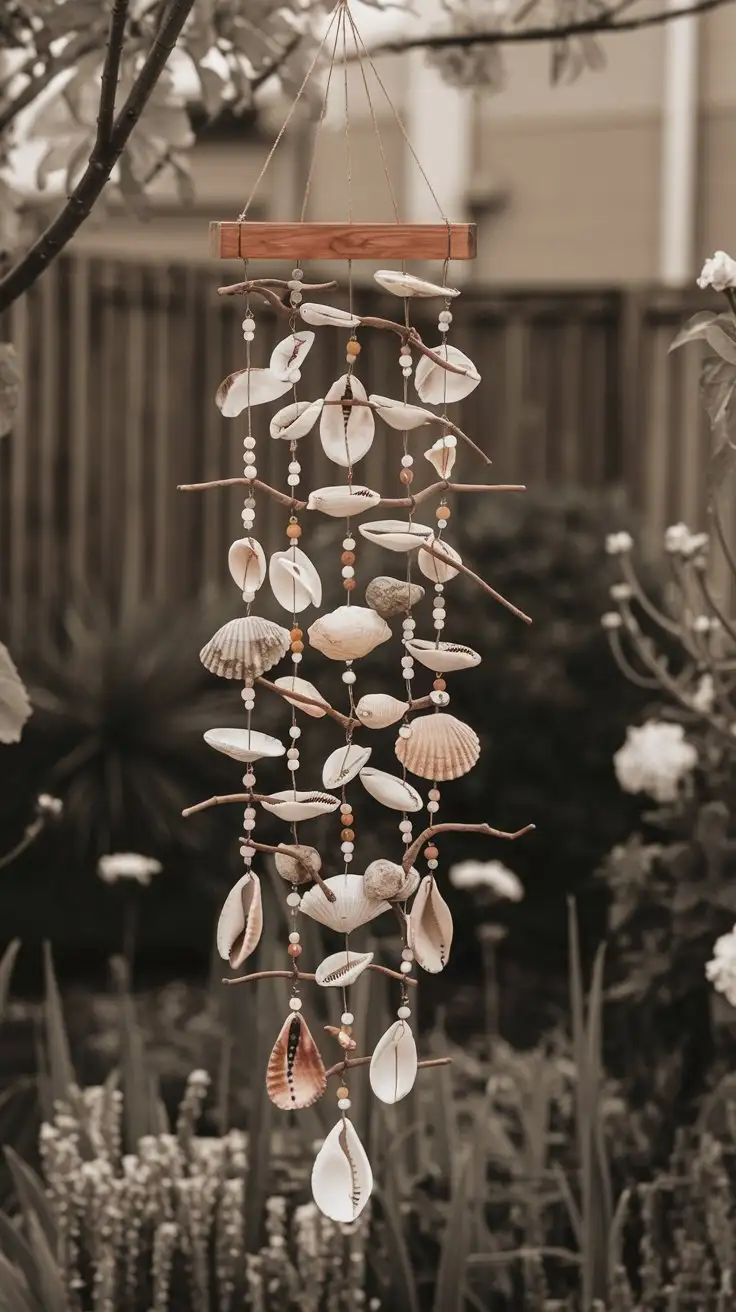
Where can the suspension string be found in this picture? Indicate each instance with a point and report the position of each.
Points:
(348, 144)
(320, 122)
(374, 119)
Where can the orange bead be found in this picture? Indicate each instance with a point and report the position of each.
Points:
(348, 584)
(343, 1092)
(353, 348)
(347, 558)
(443, 512)
(439, 685)
(431, 853)
(347, 835)
(297, 646)
(295, 635)
(347, 819)
(406, 476)
(293, 531)
(295, 950)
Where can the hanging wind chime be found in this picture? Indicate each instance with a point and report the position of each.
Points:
(432, 746)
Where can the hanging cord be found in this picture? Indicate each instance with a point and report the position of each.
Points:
(320, 123)
(348, 144)
(374, 119)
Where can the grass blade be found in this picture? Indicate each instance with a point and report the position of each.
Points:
(7, 962)
(17, 1250)
(31, 1196)
(402, 1286)
(15, 1295)
(140, 1100)
(61, 1069)
(54, 1293)
(450, 1290)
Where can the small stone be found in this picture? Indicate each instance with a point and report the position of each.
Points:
(299, 870)
(388, 596)
(385, 880)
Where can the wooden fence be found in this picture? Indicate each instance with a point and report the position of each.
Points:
(121, 363)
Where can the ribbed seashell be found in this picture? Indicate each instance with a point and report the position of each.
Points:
(245, 647)
(327, 316)
(407, 284)
(248, 387)
(390, 597)
(295, 420)
(343, 764)
(342, 968)
(387, 879)
(439, 747)
(342, 1179)
(287, 356)
(376, 710)
(442, 454)
(295, 1075)
(301, 867)
(247, 564)
(295, 581)
(442, 657)
(343, 502)
(350, 909)
(293, 804)
(433, 568)
(395, 534)
(244, 744)
(429, 927)
(394, 1063)
(292, 683)
(436, 385)
(390, 791)
(400, 415)
(346, 432)
(348, 633)
(241, 920)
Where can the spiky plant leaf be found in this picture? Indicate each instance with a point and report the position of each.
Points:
(31, 1197)
(7, 962)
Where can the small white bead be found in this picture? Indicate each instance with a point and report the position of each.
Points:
(292, 754)
(249, 824)
(293, 284)
(248, 518)
(295, 731)
(295, 467)
(294, 936)
(249, 442)
(439, 624)
(405, 968)
(249, 779)
(349, 676)
(249, 336)
(296, 298)
(347, 1018)
(250, 812)
(443, 327)
(347, 572)
(348, 544)
(405, 826)
(405, 359)
(405, 731)
(293, 764)
(248, 595)
(406, 373)
(439, 603)
(439, 698)
(404, 1013)
(293, 900)
(297, 274)
(409, 624)
(249, 324)
(407, 660)
(407, 461)
(344, 1104)
(296, 657)
(250, 503)
(295, 1004)
(406, 838)
(433, 865)
(439, 587)
(293, 480)
(347, 849)
(445, 316)
(432, 807)
(407, 954)
(250, 471)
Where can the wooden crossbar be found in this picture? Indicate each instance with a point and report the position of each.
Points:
(343, 241)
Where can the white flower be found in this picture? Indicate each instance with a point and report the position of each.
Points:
(488, 874)
(611, 620)
(617, 544)
(127, 865)
(622, 592)
(679, 541)
(719, 272)
(721, 970)
(704, 695)
(654, 759)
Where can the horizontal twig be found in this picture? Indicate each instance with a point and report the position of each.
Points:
(302, 700)
(293, 852)
(261, 284)
(281, 497)
(349, 1062)
(301, 975)
(224, 800)
(391, 503)
(412, 852)
(469, 573)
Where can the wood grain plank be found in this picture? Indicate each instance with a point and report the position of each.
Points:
(343, 241)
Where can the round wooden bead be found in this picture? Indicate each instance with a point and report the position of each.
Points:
(353, 348)
(295, 950)
(347, 835)
(296, 635)
(343, 1092)
(347, 558)
(297, 646)
(348, 584)
(431, 853)
(406, 476)
(439, 685)
(293, 531)
(443, 512)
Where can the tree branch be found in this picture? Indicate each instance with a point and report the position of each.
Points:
(412, 852)
(111, 73)
(73, 51)
(341, 1066)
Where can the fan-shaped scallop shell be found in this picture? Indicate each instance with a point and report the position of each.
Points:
(429, 927)
(245, 647)
(343, 764)
(376, 710)
(400, 415)
(387, 879)
(248, 387)
(346, 431)
(432, 567)
(436, 385)
(342, 968)
(295, 581)
(343, 501)
(244, 744)
(247, 564)
(350, 909)
(442, 454)
(287, 356)
(407, 284)
(395, 534)
(241, 920)
(292, 683)
(301, 867)
(348, 633)
(295, 420)
(439, 747)
(327, 316)
(295, 1076)
(342, 1179)
(442, 657)
(394, 1063)
(292, 804)
(390, 791)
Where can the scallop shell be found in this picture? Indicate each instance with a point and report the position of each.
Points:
(389, 596)
(346, 432)
(287, 356)
(244, 744)
(343, 764)
(342, 1179)
(390, 791)
(245, 647)
(395, 534)
(442, 657)
(248, 387)
(241, 920)
(343, 502)
(407, 284)
(342, 968)
(376, 710)
(442, 454)
(295, 1076)
(295, 582)
(348, 633)
(327, 316)
(386, 879)
(292, 683)
(292, 805)
(247, 564)
(436, 385)
(440, 747)
(433, 568)
(350, 909)
(399, 415)
(429, 927)
(301, 871)
(394, 1063)
(295, 420)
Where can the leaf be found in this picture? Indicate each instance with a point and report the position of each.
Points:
(18, 1250)
(132, 190)
(14, 1293)
(31, 1196)
(694, 330)
(185, 188)
(7, 961)
(212, 87)
(721, 337)
(140, 1096)
(15, 706)
(9, 387)
(449, 1293)
(403, 1285)
(49, 1273)
(722, 463)
(63, 1078)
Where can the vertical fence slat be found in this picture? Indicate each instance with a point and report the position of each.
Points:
(79, 419)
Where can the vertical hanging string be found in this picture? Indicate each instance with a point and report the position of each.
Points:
(320, 121)
(348, 147)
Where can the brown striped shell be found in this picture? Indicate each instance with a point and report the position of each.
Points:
(295, 1076)
(245, 648)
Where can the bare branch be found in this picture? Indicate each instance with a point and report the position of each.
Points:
(111, 73)
(412, 852)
